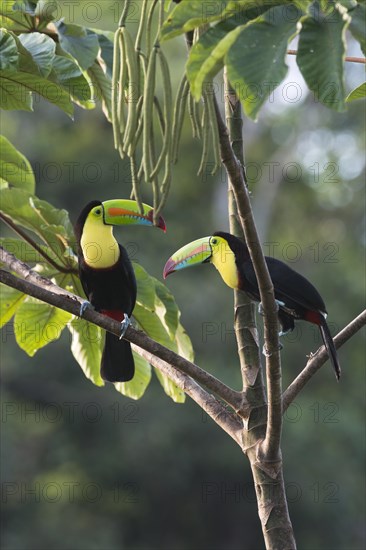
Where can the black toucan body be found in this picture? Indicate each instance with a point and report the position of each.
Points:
(107, 275)
(297, 298)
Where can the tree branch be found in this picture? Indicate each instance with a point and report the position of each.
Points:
(45, 290)
(319, 358)
(271, 444)
(227, 420)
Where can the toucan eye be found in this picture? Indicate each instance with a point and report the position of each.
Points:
(214, 241)
(98, 212)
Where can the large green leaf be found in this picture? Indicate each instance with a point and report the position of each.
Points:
(15, 169)
(357, 25)
(77, 42)
(188, 15)
(357, 93)
(185, 348)
(14, 96)
(266, 38)
(166, 308)
(150, 322)
(23, 82)
(170, 388)
(86, 347)
(145, 287)
(320, 56)
(137, 386)
(37, 324)
(10, 300)
(25, 252)
(9, 56)
(10, 18)
(102, 88)
(42, 49)
(49, 223)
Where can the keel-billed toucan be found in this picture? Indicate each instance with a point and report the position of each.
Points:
(296, 297)
(107, 275)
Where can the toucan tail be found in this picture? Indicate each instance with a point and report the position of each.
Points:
(117, 363)
(330, 347)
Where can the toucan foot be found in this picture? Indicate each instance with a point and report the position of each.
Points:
(261, 308)
(84, 306)
(266, 353)
(124, 325)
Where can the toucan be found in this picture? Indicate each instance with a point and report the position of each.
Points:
(296, 297)
(107, 275)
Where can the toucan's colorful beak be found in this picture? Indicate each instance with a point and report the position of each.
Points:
(196, 252)
(126, 212)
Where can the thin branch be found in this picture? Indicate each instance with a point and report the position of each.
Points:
(48, 292)
(34, 245)
(349, 59)
(271, 444)
(226, 419)
(319, 358)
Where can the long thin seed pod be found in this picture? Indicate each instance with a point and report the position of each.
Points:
(160, 114)
(141, 26)
(168, 107)
(165, 186)
(212, 121)
(124, 13)
(178, 115)
(149, 25)
(147, 113)
(137, 135)
(205, 136)
(133, 78)
(141, 70)
(135, 183)
(121, 86)
(192, 111)
(161, 20)
(115, 75)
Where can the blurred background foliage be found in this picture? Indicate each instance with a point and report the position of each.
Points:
(84, 467)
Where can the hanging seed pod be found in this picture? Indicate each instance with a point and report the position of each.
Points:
(115, 87)
(205, 136)
(147, 113)
(133, 78)
(168, 107)
(178, 115)
(212, 120)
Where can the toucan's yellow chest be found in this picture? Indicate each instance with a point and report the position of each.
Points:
(223, 259)
(100, 248)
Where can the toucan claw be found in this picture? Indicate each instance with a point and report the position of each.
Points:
(84, 306)
(124, 325)
(267, 353)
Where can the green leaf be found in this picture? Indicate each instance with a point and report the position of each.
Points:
(9, 56)
(86, 346)
(152, 325)
(357, 25)
(22, 83)
(50, 224)
(137, 386)
(37, 324)
(46, 11)
(185, 348)
(320, 56)
(145, 287)
(82, 46)
(15, 169)
(357, 93)
(166, 308)
(14, 97)
(102, 87)
(175, 393)
(25, 252)
(42, 49)
(13, 19)
(10, 300)
(265, 38)
(188, 15)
